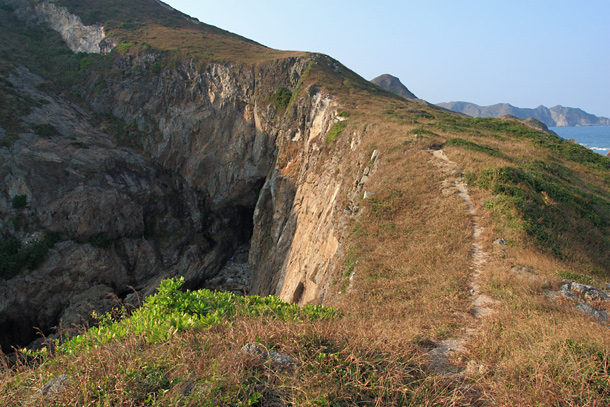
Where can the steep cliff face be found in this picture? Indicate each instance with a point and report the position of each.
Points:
(247, 157)
(302, 211)
(168, 169)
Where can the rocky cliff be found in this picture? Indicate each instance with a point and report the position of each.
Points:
(557, 116)
(156, 166)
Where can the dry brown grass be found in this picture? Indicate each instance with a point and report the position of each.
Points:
(413, 248)
(412, 245)
(335, 367)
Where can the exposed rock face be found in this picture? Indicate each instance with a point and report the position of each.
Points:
(217, 165)
(78, 37)
(295, 253)
(557, 116)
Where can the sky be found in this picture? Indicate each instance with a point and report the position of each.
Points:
(526, 53)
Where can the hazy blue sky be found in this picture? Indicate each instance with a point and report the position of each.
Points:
(525, 53)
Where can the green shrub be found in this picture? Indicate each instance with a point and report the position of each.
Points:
(99, 86)
(14, 258)
(84, 62)
(343, 114)
(123, 134)
(157, 67)
(18, 221)
(336, 131)
(9, 248)
(281, 98)
(19, 201)
(79, 144)
(6, 7)
(125, 46)
(101, 241)
(45, 130)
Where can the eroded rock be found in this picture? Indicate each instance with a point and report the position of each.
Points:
(587, 298)
(277, 360)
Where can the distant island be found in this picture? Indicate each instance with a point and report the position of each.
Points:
(558, 116)
(394, 85)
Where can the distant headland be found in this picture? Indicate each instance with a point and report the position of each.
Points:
(557, 116)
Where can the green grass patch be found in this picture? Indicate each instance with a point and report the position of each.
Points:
(594, 362)
(171, 311)
(556, 212)
(420, 131)
(580, 278)
(336, 131)
(469, 145)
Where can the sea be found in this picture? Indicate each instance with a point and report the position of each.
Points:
(597, 138)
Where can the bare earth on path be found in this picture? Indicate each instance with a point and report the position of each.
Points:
(448, 349)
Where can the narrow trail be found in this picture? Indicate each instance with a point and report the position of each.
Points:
(449, 349)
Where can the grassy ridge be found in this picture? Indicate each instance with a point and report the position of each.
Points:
(145, 25)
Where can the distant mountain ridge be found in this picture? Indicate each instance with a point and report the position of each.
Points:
(394, 85)
(557, 116)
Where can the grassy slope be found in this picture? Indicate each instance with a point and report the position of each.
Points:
(546, 197)
(410, 251)
(146, 25)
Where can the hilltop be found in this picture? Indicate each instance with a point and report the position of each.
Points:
(192, 218)
(394, 85)
(557, 116)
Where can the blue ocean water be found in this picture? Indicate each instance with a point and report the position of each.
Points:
(597, 138)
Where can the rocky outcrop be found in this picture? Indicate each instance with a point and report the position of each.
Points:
(589, 300)
(557, 116)
(78, 37)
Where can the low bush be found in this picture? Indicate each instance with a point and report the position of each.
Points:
(19, 201)
(45, 130)
(101, 241)
(281, 98)
(14, 257)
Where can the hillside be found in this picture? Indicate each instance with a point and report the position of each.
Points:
(191, 218)
(557, 116)
(394, 85)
